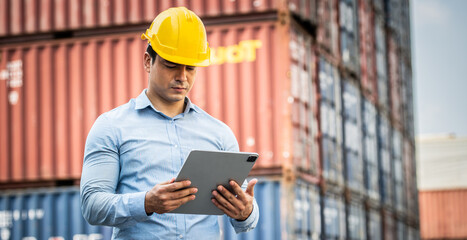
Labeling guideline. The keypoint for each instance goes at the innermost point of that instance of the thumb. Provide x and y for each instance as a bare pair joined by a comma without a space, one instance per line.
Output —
250,189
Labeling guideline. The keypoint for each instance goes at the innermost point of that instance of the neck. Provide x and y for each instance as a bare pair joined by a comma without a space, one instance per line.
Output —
171,109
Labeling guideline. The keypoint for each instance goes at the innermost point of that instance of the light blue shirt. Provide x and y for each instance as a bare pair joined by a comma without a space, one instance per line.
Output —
134,147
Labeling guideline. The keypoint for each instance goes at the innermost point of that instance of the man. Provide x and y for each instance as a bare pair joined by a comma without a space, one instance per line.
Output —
134,151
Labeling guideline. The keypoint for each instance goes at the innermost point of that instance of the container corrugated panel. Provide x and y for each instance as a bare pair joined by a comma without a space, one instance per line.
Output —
404,29
348,22
367,51
334,216
389,226
381,63
352,137
400,196
394,14
328,29
370,152
356,221
394,80
307,204
36,16
385,163
53,213
303,94
374,224
51,94
331,126
443,214
407,99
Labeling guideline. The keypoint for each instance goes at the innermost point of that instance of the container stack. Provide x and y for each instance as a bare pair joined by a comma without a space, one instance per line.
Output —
321,89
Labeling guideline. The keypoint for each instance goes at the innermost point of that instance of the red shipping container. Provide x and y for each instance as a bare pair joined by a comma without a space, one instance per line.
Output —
367,51
443,214
51,94
53,91
327,34
394,81
40,16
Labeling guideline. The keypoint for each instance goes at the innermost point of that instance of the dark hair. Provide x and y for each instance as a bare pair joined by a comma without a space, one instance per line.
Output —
151,53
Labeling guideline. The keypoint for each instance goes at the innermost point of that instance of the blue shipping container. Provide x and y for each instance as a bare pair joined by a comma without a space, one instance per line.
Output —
352,137
307,211
370,151
330,123
400,198
349,34
385,164
52,213
334,217
356,221
374,225
381,63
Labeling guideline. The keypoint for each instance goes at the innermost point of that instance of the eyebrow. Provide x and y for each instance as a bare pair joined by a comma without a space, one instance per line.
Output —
177,64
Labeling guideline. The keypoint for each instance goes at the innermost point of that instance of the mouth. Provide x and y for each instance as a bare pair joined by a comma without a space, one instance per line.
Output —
179,89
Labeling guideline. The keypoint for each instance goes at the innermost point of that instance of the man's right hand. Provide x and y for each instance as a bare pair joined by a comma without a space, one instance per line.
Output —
167,196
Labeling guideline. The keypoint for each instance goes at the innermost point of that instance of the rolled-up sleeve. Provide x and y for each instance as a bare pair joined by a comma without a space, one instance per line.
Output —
100,204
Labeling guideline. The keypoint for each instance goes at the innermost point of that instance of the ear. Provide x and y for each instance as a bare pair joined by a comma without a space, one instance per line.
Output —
147,62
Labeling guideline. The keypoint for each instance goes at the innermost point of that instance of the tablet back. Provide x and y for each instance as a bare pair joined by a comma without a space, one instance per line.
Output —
208,169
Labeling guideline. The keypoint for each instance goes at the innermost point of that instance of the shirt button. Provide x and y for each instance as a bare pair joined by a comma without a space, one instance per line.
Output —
181,236
175,147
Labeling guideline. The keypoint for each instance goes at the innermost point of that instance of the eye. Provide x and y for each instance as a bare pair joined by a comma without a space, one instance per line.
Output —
167,65
190,68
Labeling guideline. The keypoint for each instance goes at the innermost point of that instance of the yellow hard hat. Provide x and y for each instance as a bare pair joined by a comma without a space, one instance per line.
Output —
179,36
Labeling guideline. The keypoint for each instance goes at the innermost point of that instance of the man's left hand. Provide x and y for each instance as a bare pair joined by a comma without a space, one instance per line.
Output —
237,204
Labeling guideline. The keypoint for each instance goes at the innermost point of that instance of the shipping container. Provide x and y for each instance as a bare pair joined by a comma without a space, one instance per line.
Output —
394,80
52,93
349,44
49,213
328,28
330,123
443,214
378,6
367,51
400,196
411,180
374,224
303,94
407,99
356,220
370,152
385,163
306,11
381,64
35,16
389,226
351,118
287,210
402,233
334,216
413,234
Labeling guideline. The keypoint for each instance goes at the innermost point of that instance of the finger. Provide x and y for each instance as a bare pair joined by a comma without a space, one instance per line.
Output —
222,199
250,189
167,182
230,197
173,204
175,186
222,208
182,193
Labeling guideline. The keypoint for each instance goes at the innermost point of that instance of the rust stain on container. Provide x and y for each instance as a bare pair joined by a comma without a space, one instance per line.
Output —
443,214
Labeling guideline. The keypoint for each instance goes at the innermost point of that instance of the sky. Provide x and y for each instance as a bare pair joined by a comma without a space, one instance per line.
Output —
439,62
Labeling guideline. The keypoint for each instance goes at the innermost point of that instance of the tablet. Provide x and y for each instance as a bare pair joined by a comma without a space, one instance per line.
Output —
208,169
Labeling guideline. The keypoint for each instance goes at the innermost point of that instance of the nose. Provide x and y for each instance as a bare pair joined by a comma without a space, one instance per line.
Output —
182,73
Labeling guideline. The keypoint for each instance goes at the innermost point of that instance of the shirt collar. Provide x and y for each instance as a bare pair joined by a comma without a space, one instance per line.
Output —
142,101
